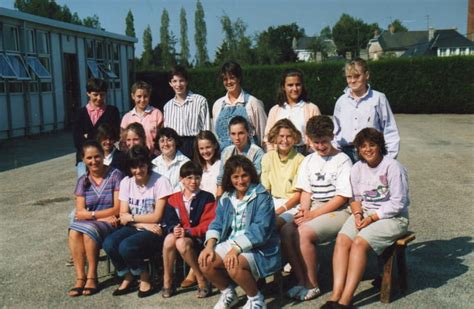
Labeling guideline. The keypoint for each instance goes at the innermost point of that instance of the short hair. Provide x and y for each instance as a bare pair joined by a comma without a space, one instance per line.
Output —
370,135
190,168
206,135
239,120
319,126
232,164
178,70
281,95
351,66
139,84
169,133
91,143
96,85
138,156
284,124
136,128
105,131
231,68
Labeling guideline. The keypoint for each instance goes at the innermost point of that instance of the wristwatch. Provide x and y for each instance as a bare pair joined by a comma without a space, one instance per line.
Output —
133,218
93,215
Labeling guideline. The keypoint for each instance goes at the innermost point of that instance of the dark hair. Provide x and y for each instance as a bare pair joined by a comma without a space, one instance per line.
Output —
370,135
206,135
136,128
232,164
169,133
96,85
190,168
138,156
281,94
105,131
318,127
139,84
239,120
283,124
90,143
231,68
178,70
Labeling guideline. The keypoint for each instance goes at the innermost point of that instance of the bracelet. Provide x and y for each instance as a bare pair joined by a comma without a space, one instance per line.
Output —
93,216
358,213
133,218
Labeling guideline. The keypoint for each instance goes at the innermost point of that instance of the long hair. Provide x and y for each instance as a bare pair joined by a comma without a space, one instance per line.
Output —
90,144
232,164
281,94
206,135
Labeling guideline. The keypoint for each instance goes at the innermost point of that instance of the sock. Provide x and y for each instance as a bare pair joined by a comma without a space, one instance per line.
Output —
227,289
256,297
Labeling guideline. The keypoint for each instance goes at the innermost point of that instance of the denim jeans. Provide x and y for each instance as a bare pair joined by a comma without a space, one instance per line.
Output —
351,151
127,247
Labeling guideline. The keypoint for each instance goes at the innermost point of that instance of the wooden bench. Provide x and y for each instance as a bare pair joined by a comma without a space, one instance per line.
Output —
395,252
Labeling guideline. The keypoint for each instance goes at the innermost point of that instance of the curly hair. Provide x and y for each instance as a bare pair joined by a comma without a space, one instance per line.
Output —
231,166
370,135
284,124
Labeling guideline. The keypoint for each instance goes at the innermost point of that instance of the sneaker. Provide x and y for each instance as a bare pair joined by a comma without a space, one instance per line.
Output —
227,300
258,303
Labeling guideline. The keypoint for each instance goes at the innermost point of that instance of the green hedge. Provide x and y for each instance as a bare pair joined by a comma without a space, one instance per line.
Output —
412,85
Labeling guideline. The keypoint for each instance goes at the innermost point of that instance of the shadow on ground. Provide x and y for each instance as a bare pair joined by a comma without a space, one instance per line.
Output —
23,151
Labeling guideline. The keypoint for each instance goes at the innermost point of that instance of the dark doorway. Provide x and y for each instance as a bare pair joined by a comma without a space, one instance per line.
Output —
71,88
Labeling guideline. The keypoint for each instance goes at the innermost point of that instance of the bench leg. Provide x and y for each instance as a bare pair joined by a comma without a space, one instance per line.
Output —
402,269
386,289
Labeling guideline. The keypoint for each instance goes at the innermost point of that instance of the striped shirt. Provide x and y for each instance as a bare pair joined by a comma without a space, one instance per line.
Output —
188,118
325,177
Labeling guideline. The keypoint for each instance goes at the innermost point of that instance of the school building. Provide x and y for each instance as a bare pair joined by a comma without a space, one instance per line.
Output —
44,68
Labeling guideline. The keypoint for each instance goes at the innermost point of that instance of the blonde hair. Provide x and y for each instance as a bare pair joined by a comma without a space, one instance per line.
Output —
356,66
284,124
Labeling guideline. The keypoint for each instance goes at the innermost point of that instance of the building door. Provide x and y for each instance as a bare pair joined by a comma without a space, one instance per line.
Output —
72,95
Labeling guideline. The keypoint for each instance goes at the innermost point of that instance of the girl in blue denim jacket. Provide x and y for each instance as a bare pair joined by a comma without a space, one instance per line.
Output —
242,242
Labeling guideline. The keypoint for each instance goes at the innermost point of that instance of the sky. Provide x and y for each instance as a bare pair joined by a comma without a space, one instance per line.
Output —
312,15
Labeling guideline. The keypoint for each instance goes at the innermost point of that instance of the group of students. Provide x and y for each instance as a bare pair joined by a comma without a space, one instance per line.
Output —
231,209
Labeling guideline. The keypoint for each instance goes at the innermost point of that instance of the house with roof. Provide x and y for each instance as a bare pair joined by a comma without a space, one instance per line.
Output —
304,51
440,43
44,68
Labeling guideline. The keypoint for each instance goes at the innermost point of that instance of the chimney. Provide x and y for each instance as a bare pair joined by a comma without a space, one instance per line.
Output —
391,28
470,20
376,33
431,32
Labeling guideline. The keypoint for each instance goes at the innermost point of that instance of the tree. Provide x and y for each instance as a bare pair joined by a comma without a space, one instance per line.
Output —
147,55
274,45
167,41
200,35
397,26
351,35
129,24
237,46
326,33
184,41
92,22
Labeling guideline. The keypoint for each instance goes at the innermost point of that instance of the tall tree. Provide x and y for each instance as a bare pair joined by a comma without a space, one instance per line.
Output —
129,24
166,41
200,35
398,26
274,45
236,45
184,41
326,33
92,22
147,55
352,35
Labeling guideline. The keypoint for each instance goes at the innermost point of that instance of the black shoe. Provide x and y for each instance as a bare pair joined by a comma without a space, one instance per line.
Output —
142,294
329,305
132,287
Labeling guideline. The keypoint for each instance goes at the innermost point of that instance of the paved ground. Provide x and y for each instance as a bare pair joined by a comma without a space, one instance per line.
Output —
437,150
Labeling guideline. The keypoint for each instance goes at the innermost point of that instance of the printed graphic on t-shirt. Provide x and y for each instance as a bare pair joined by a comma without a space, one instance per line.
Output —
380,193
323,185
141,206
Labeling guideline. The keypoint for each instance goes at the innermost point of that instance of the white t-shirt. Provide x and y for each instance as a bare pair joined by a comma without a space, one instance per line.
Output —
170,171
141,200
325,177
209,178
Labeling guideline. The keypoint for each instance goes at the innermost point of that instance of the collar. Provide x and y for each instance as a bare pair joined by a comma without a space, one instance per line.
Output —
92,108
252,192
178,157
148,110
290,155
246,149
240,99
188,99
348,92
299,104
193,196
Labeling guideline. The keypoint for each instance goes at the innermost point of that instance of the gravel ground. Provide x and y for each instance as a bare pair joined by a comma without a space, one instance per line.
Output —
437,150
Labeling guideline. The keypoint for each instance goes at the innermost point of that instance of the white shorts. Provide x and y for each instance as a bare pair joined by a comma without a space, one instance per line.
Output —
224,247
288,215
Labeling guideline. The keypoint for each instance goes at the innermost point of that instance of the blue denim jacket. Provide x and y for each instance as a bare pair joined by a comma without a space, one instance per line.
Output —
260,237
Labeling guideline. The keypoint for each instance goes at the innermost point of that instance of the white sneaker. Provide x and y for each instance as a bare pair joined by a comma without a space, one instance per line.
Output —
227,300
258,303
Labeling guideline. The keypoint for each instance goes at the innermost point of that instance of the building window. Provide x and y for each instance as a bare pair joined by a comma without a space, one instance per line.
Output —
42,42
37,67
100,50
11,38
107,72
2,86
46,87
90,48
19,67
1,36
33,86
116,52
94,69
30,41
15,87
6,70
